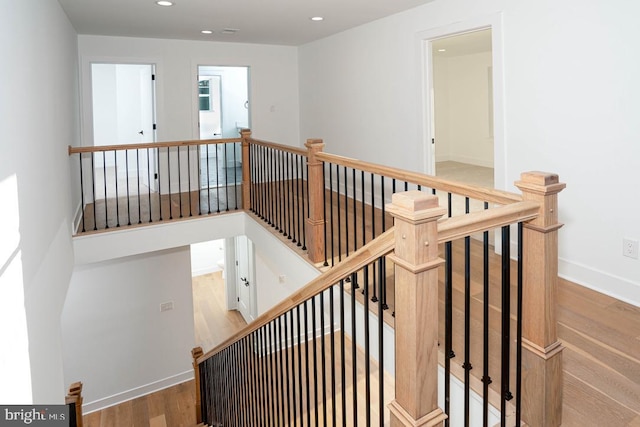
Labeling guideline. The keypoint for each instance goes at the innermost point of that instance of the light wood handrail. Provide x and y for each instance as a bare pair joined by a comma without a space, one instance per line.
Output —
373,250
472,191
461,226
101,148
288,148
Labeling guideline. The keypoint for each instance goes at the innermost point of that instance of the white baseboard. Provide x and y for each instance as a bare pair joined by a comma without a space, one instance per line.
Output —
206,270
616,287
100,404
487,163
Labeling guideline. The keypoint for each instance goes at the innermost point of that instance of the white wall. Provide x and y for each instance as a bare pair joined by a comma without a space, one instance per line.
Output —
116,340
570,107
207,257
461,87
273,71
38,120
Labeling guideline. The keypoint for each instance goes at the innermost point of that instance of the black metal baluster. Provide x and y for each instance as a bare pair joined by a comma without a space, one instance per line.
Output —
343,370
104,173
333,357
306,358
331,213
373,208
323,354
448,332
208,182
519,327
346,212
354,352
299,219
364,217
126,161
486,379
315,360
169,182
115,162
217,162
301,380
273,372
149,183
338,208
264,375
355,208
291,370
381,405
367,356
273,187
179,181
93,182
82,193
159,181
281,372
324,209
467,322
506,321
138,179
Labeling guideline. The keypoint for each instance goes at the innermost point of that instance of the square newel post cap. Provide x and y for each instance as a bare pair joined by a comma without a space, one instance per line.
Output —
245,132
415,206
314,143
540,183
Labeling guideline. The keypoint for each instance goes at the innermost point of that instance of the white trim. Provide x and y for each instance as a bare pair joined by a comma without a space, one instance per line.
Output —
423,46
77,219
616,286
100,404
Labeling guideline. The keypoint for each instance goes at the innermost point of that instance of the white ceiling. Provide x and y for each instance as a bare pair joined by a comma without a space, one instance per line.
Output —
282,22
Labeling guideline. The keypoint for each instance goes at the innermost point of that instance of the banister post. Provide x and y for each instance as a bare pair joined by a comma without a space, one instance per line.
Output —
416,323
315,221
246,170
75,396
542,351
195,354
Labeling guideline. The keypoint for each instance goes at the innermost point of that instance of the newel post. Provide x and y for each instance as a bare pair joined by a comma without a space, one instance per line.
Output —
542,351
416,324
195,354
315,221
246,170
75,396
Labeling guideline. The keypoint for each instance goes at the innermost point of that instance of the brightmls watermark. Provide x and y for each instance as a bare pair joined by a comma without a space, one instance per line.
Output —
34,415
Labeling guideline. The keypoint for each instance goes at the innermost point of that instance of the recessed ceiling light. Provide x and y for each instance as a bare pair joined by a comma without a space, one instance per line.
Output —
206,32
442,50
164,3
317,18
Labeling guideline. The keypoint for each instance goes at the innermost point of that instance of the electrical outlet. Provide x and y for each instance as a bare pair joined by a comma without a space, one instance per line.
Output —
166,306
630,248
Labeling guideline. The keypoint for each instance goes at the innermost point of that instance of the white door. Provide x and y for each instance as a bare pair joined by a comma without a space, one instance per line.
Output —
245,278
123,101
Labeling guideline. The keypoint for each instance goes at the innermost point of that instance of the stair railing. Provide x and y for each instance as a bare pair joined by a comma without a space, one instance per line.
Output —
282,380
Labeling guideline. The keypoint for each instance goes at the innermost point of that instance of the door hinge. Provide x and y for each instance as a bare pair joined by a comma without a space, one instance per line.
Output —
155,127
153,76
238,299
433,140
236,262
155,176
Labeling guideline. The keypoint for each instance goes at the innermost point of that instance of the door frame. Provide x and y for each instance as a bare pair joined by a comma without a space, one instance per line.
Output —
239,284
424,41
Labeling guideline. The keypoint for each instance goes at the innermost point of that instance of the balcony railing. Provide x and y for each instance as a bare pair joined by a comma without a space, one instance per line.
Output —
490,320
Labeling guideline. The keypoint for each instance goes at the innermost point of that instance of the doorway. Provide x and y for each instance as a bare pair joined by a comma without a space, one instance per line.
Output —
123,106
462,100
245,278
223,111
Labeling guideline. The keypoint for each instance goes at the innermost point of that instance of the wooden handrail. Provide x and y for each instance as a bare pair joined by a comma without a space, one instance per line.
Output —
373,250
472,191
461,226
288,148
101,148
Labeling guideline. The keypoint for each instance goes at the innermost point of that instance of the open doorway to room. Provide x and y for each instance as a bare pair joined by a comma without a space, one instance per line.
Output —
123,108
223,110
462,122
223,287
